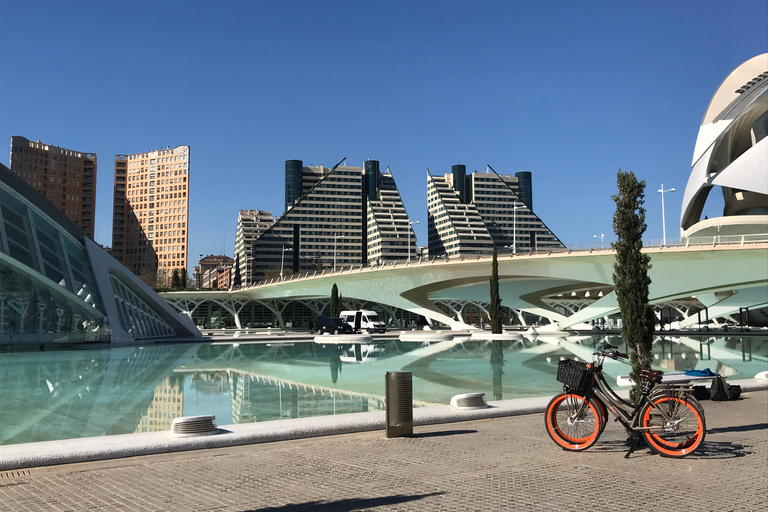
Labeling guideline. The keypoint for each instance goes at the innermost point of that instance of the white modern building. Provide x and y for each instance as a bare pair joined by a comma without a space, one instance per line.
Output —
730,159
59,286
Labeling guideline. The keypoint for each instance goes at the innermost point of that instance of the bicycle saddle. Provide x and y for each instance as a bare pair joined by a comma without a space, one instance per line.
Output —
652,375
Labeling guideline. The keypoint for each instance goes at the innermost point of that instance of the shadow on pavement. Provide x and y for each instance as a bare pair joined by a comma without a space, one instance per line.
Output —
347,504
738,428
721,450
444,433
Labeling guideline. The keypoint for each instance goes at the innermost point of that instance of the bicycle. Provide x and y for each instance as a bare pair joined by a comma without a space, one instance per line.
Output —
667,416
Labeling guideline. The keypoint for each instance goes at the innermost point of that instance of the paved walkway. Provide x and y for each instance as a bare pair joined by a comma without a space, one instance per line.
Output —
495,464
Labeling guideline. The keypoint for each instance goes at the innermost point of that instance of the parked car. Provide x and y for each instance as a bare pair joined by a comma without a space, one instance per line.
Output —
332,325
364,320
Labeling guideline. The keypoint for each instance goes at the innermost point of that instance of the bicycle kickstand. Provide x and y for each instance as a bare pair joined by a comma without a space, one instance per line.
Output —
633,446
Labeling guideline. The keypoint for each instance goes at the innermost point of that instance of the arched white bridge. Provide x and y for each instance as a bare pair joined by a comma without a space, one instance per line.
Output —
568,287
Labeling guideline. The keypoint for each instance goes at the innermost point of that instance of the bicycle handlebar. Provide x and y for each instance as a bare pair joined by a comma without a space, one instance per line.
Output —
609,350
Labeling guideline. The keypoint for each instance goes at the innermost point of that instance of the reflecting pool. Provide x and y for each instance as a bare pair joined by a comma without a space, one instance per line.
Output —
84,393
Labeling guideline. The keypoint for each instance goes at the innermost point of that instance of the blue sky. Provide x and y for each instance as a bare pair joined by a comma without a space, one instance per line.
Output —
571,91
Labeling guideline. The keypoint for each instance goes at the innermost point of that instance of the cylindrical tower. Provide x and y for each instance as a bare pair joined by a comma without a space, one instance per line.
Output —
372,172
459,173
293,170
525,192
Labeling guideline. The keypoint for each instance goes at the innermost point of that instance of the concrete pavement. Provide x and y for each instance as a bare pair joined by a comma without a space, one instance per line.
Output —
504,463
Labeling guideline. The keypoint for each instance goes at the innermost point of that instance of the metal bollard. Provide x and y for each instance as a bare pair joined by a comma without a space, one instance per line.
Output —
399,397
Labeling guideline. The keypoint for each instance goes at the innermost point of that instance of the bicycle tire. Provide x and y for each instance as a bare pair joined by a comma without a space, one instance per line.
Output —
677,425
573,434
687,396
603,412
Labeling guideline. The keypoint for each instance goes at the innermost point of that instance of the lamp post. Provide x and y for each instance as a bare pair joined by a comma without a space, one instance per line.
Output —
514,228
410,223
601,239
663,220
335,237
282,260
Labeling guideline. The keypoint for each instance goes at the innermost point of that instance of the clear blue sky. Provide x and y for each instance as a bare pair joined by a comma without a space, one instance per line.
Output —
571,91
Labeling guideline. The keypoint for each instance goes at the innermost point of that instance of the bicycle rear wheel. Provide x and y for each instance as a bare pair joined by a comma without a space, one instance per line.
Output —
675,425
573,424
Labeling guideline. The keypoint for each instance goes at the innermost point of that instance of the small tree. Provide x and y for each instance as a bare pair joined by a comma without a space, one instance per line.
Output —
175,280
630,274
183,279
494,308
334,308
317,262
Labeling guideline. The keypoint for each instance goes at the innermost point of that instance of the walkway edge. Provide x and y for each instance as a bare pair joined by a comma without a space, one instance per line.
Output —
49,453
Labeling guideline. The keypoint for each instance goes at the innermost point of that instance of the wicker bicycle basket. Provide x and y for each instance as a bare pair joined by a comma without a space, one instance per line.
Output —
574,374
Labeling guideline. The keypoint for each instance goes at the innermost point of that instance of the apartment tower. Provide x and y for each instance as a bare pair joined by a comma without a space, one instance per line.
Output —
250,226
67,178
334,217
473,214
151,213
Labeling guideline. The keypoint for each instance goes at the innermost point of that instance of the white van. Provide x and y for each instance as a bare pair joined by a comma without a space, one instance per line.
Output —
364,320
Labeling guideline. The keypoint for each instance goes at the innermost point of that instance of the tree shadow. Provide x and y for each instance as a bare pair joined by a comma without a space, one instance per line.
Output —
348,504
721,450
738,428
444,433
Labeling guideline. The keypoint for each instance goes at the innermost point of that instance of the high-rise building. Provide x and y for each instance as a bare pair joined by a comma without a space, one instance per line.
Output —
472,214
67,178
334,217
250,226
150,223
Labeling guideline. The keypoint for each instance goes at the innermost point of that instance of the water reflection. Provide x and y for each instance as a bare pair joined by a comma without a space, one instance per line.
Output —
83,393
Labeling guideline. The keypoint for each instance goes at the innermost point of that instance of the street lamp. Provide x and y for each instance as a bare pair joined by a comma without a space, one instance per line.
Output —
514,228
410,223
282,260
601,239
336,237
663,220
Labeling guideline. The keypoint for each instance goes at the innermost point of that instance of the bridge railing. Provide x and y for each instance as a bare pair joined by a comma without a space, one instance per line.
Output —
691,242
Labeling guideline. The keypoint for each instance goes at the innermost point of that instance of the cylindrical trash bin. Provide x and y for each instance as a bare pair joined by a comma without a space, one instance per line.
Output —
399,397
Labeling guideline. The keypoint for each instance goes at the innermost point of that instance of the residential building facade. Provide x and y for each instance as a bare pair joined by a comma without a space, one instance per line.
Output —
67,178
250,226
151,213
211,270
334,217
473,214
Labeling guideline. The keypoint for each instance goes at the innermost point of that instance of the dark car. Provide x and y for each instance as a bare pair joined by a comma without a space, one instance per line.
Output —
332,325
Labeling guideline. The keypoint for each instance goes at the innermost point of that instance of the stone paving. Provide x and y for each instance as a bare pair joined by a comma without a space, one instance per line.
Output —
495,464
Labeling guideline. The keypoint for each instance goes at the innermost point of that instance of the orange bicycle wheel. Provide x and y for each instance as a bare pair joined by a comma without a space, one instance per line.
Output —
675,426
571,426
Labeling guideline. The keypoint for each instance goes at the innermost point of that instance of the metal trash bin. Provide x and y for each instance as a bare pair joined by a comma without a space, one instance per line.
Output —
399,397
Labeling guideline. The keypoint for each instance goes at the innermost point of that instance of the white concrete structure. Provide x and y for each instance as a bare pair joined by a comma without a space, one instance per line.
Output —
731,152
721,265
723,278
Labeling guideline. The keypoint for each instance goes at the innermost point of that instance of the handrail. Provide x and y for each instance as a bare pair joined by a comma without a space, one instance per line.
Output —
591,248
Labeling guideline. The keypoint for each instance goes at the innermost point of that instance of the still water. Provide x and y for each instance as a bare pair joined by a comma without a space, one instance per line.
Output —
85,393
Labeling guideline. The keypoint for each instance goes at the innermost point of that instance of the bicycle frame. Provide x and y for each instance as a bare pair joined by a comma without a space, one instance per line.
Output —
627,413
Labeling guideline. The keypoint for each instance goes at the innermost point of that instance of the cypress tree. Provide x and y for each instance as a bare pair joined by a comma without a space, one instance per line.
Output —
494,308
175,280
334,307
630,274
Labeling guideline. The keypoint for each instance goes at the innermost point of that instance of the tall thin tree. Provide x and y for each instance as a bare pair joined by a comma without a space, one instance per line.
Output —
630,274
334,308
494,308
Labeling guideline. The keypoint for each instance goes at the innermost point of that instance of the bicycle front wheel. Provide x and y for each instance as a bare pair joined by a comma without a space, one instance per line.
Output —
573,424
673,426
